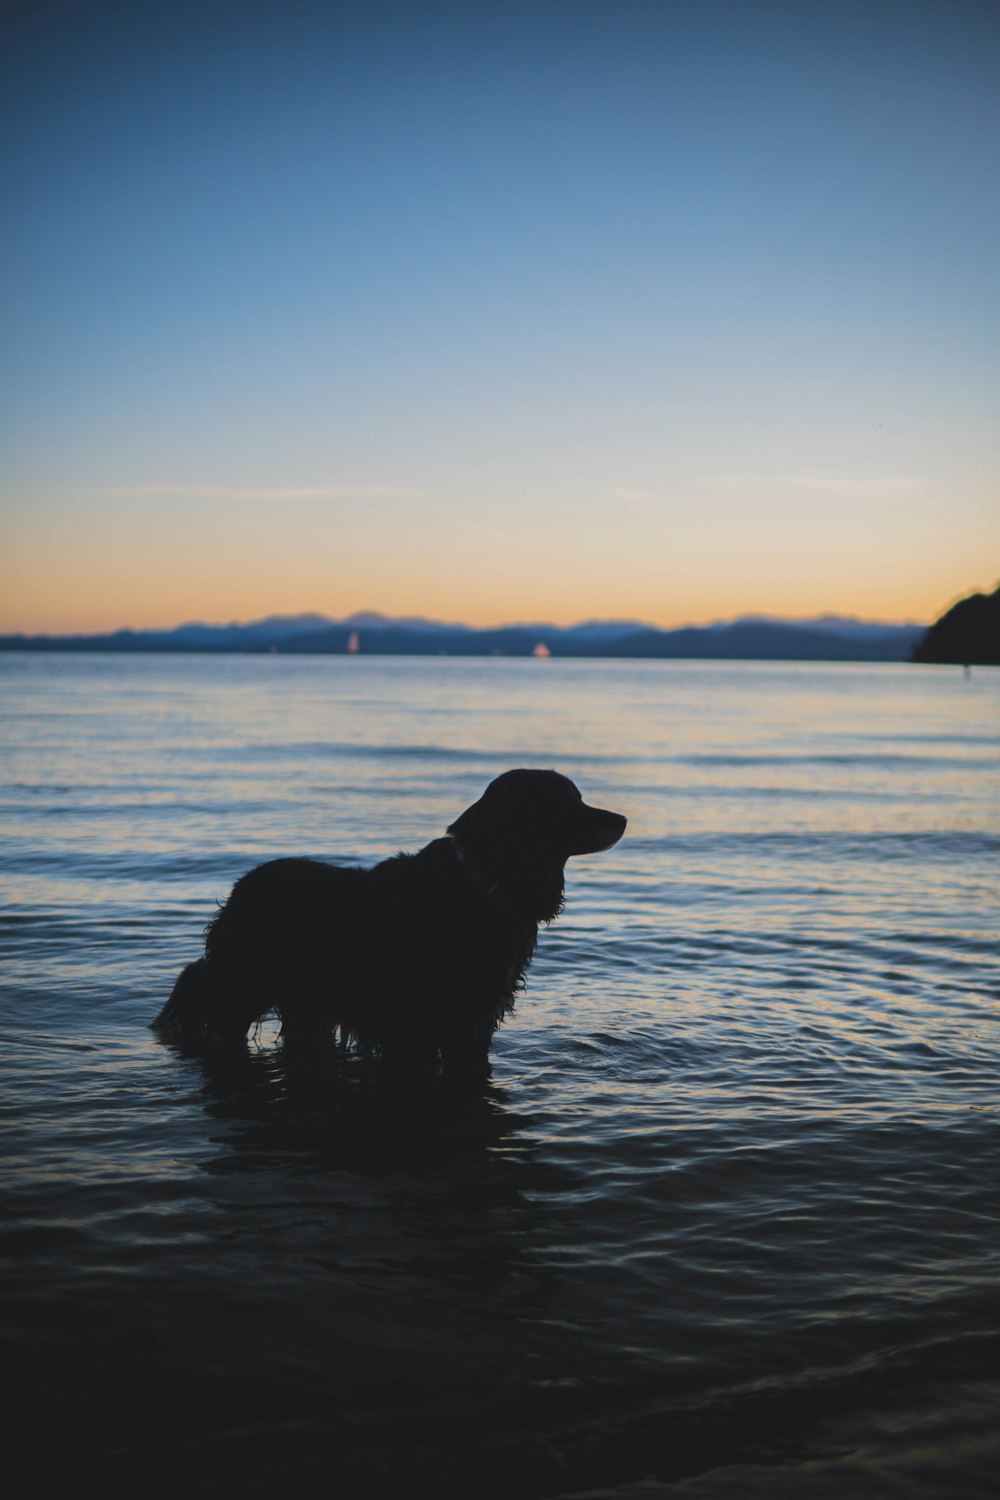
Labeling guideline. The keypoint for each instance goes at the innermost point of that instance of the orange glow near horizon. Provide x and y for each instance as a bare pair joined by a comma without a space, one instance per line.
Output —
100,598
86,562
106,562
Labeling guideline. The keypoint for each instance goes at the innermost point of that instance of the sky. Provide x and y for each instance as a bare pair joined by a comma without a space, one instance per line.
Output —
558,310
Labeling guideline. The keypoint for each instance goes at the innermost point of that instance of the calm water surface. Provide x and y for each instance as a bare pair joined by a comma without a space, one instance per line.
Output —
724,1223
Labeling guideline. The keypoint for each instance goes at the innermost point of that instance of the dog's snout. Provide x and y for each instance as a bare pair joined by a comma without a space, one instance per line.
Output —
620,823
601,830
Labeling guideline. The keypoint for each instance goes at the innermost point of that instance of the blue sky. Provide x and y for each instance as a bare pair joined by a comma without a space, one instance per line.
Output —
494,312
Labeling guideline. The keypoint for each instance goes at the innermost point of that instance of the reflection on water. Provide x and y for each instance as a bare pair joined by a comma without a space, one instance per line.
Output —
722,1223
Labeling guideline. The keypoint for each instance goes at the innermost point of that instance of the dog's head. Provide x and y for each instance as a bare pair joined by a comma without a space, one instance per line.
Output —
523,829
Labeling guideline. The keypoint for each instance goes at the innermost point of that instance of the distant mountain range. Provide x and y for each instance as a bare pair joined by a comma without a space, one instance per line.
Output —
752,638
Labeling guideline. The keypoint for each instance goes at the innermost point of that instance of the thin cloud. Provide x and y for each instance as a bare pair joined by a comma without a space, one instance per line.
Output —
813,482
857,484
264,493
631,495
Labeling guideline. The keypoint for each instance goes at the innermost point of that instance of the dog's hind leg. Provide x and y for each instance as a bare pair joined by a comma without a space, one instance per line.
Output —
202,1009
186,1013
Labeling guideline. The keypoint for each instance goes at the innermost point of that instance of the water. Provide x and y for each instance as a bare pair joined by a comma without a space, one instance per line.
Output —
724,1223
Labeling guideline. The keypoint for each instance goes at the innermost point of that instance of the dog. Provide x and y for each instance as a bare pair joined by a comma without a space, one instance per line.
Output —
417,959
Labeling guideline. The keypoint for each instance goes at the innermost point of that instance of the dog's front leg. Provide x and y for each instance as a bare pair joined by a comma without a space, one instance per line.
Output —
466,1059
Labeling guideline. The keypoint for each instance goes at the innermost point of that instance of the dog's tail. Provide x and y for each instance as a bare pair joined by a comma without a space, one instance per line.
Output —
185,1016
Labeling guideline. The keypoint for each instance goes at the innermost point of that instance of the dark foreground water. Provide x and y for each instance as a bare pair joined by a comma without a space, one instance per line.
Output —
723,1224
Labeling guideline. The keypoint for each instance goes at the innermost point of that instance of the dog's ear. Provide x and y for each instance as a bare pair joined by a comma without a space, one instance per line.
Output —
491,836
474,827
509,854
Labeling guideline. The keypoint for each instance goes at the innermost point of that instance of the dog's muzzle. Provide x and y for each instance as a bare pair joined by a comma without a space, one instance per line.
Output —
598,830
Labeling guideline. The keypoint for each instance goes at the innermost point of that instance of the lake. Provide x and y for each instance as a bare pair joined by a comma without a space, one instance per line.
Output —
724,1222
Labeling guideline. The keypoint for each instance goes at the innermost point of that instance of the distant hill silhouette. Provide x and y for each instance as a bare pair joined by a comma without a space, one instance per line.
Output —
967,634
831,638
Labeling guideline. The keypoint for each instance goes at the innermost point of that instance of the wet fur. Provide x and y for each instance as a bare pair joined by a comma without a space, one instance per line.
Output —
418,958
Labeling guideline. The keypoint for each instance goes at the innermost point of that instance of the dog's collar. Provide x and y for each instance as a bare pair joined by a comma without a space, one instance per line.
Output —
494,890
476,875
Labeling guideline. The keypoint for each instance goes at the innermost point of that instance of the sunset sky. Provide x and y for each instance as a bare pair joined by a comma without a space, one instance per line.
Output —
552,310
